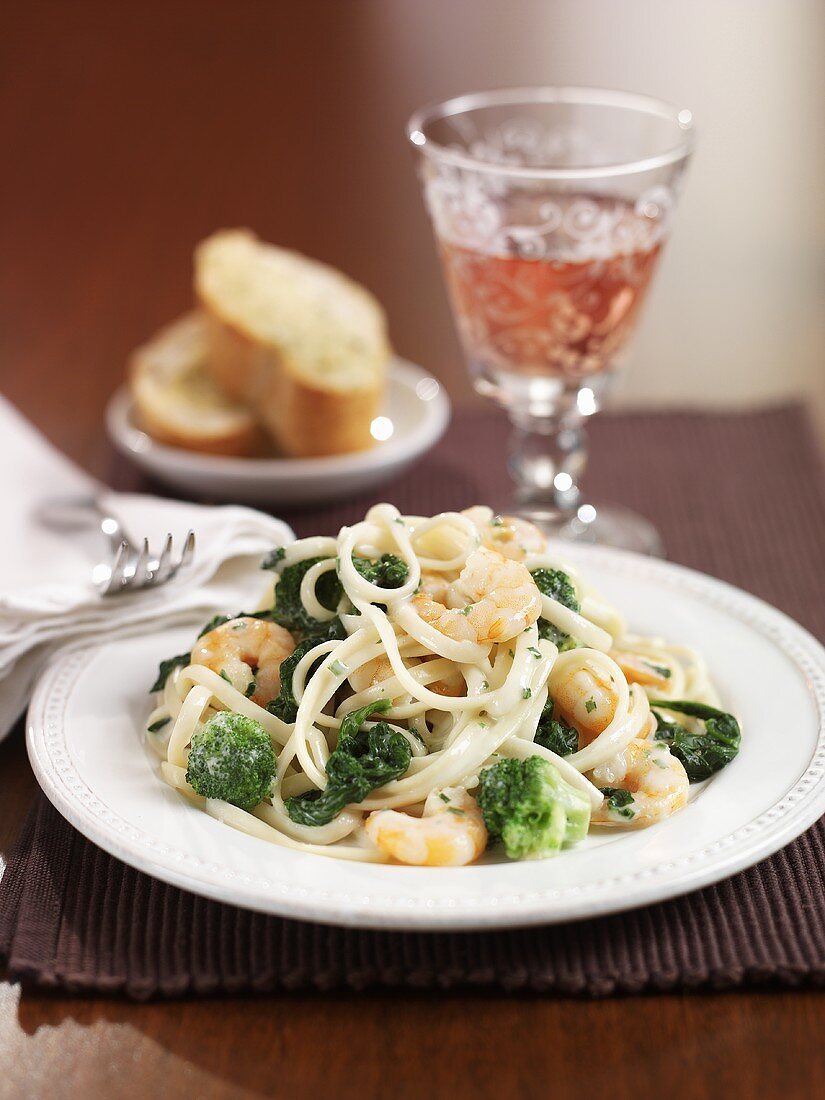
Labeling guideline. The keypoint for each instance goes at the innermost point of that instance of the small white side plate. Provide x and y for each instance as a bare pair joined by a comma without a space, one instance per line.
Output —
415,413
85,747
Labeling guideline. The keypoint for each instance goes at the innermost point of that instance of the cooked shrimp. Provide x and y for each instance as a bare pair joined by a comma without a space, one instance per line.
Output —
655,778
434,585
512,537
587,698
371,673
248,652
499,600
450,833
641,670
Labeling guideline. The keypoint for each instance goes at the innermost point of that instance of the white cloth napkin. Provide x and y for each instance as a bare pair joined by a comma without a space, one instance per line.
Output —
47,598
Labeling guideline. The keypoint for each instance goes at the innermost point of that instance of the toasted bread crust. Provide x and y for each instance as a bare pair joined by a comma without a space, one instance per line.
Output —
304,420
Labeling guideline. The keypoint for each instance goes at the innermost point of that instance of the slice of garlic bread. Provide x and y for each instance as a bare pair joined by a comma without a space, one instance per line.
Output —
295,340
178,402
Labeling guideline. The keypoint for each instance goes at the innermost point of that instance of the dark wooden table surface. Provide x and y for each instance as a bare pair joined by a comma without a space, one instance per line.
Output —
130,130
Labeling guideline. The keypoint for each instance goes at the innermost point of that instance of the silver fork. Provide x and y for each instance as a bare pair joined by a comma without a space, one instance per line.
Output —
131,566
132,570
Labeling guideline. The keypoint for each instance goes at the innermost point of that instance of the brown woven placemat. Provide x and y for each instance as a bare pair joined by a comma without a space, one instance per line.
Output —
740,496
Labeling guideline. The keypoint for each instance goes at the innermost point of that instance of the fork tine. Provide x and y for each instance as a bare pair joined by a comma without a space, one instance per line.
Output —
131,571
163,568
117,577
186,555
188,551
141,576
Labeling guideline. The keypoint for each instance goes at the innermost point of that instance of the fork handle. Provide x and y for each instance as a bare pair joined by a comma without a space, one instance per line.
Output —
78,515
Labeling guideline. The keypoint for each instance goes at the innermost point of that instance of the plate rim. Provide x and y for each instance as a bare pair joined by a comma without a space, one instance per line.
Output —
790,815
139,447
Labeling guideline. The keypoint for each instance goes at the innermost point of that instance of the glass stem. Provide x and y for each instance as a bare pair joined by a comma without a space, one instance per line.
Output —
547,457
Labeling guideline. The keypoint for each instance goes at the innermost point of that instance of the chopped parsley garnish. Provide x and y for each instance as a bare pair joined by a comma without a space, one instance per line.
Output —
155,726
590,705
526,693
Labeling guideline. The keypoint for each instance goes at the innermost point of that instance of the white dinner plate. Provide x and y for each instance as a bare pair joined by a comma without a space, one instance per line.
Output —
413,417
85,746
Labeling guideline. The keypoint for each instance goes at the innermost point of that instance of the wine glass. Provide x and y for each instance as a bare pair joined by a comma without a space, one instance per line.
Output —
550,208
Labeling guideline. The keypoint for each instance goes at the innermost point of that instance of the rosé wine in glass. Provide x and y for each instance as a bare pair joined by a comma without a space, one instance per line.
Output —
566,312
550,208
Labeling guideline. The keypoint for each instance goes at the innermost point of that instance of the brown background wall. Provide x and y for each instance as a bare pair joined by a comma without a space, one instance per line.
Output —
132,129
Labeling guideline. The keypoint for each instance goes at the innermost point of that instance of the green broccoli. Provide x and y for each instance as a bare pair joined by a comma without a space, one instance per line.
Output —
232,758
702,754
528,806
557,585
554,733
362,761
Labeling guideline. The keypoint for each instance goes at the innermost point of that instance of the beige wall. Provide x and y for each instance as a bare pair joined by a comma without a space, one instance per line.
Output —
737,314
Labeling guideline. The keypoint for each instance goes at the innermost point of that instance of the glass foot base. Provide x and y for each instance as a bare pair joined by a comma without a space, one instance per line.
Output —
601,524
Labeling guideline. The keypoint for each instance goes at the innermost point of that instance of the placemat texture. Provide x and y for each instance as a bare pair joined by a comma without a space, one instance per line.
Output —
739,496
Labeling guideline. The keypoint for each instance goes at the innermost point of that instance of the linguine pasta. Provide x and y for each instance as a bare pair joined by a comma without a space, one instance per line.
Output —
475,645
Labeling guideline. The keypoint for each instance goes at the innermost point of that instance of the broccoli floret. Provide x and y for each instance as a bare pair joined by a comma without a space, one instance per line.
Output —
556,584
232,758
554,733
548,632
528,806
388,571
702,754
362,761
